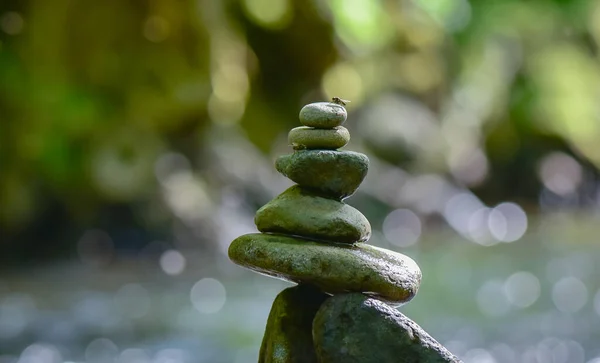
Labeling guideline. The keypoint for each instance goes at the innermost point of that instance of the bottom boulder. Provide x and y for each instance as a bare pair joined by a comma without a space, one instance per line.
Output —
288,336
353,328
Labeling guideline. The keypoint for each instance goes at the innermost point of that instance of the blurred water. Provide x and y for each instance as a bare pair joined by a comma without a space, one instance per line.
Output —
535,300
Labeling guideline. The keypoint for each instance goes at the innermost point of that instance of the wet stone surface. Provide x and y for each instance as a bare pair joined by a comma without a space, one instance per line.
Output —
337,173
353,328
324,115
288,335
310,138
333,268
300,212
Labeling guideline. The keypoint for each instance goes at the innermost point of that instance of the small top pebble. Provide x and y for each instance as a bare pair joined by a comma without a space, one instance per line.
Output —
323,115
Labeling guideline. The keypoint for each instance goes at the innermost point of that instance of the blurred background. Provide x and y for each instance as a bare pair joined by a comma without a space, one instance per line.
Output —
137,140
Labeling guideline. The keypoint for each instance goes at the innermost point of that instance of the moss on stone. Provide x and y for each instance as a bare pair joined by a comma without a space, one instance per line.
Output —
288,335
300,212
333,268
310,138
352,328
337,173
323,115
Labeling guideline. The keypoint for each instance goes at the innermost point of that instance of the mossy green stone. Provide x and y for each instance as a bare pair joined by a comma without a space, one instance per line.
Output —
333,268
336,173
288,336
353,328
300,212
323,115
304,137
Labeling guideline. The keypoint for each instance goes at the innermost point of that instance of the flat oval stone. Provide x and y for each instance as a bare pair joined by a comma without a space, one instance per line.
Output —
288,336
300,212
333,268
336,173
304,137
352,328
323,115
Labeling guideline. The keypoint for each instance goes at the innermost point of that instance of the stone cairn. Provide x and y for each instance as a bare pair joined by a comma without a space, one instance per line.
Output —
340,310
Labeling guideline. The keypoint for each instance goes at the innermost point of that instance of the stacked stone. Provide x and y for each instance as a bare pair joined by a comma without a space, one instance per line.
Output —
311,237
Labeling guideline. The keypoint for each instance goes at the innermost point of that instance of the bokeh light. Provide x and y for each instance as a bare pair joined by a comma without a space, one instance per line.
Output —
133,355
560,173
459,210
171,356
597,303
272,14
402,228
492,300
40,353
522,289
507,222
101,350
137,140
208,295
569,294
172,262
478,355
133,301
16,311
453,15
12,23
343,80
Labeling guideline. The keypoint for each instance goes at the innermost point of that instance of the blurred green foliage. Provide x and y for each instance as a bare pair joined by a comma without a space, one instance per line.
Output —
92,93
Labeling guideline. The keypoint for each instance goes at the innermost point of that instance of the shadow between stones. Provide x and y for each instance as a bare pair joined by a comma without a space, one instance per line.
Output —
288,335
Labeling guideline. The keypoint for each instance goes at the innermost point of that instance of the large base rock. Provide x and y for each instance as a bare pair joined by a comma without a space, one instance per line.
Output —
352,328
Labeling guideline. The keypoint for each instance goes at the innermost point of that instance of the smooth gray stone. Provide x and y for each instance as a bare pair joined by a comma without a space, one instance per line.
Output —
332,267
353,328
304,137
301,212
336,173
288,335
323,115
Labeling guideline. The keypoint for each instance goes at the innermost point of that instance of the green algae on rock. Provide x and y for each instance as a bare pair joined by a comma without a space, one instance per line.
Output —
322,115
304,137
288,335
298,211
352,328
333,268
337,173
